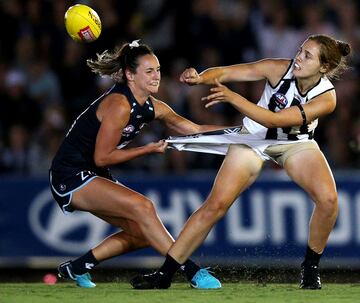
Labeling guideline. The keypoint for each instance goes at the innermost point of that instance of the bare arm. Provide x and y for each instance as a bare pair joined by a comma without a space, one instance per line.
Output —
270,69
177,123
114,115
319,106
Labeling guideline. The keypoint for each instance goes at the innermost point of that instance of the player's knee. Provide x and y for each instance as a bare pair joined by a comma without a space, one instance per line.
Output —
214,210
139,243
144,244
144,209
329,203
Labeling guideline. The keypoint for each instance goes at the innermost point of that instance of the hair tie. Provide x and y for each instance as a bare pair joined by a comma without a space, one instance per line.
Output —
135,43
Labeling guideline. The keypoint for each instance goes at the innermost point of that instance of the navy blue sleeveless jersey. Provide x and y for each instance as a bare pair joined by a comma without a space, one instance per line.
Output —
76,153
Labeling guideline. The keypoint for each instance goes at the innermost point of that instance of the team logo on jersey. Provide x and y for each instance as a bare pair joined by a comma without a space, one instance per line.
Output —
280,100
62,187
128,129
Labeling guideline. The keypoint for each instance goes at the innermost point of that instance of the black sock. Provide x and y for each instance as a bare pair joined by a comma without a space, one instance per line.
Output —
84,264
311,258
190,269
170,266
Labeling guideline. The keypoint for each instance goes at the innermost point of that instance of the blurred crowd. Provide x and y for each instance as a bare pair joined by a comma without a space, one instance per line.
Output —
45,83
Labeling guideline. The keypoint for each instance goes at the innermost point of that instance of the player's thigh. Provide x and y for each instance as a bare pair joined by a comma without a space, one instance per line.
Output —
239,169
107,198
309,169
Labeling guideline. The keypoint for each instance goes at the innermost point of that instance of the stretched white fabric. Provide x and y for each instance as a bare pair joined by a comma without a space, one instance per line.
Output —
213,142
218,142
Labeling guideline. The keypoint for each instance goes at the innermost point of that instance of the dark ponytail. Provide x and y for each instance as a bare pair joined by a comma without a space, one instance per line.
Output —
114,63
344,48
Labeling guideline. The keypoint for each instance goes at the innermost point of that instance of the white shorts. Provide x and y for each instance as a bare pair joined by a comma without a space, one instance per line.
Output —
218,142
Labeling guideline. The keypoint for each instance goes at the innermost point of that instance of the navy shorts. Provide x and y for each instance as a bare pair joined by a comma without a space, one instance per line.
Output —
62,186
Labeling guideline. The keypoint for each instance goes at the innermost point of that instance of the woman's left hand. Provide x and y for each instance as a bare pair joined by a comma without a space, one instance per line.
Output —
220,93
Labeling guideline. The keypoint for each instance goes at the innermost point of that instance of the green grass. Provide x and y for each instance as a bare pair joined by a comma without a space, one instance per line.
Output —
179,292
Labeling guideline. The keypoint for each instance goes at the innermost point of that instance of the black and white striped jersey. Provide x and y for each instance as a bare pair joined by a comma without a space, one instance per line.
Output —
77,149
284,95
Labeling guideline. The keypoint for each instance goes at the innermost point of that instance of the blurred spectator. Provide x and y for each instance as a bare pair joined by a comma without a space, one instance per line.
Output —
237,40
120,22
277,38
47,139
314,21
77,82
15,157
16,105
43,86
11,15
25,50
349,27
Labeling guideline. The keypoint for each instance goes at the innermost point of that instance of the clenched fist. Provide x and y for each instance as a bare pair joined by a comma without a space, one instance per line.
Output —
190,76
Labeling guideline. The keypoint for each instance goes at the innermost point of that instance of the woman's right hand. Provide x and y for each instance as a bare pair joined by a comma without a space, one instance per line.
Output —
190,76
157,147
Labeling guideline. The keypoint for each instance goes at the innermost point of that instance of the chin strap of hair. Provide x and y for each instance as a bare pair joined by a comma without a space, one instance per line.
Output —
303,115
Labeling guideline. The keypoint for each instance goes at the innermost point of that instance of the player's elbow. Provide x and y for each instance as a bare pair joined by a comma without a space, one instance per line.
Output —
100,160
269,124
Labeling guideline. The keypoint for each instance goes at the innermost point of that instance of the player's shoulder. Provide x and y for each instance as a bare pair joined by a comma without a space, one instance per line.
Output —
276,69
157,102
161,108
114,104
277,65
116,99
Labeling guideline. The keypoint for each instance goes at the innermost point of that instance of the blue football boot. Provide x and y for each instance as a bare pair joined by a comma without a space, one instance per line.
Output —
203,279
84,280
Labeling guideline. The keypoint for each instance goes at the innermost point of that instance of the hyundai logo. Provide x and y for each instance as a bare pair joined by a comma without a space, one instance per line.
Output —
70,234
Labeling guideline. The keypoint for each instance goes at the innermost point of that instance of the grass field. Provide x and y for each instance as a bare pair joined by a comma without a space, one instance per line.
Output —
179,292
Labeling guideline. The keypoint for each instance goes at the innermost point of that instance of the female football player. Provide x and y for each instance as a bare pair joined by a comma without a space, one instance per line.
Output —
79,174
280,128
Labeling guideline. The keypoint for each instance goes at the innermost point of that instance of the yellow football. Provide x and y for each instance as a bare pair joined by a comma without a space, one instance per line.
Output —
82,23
